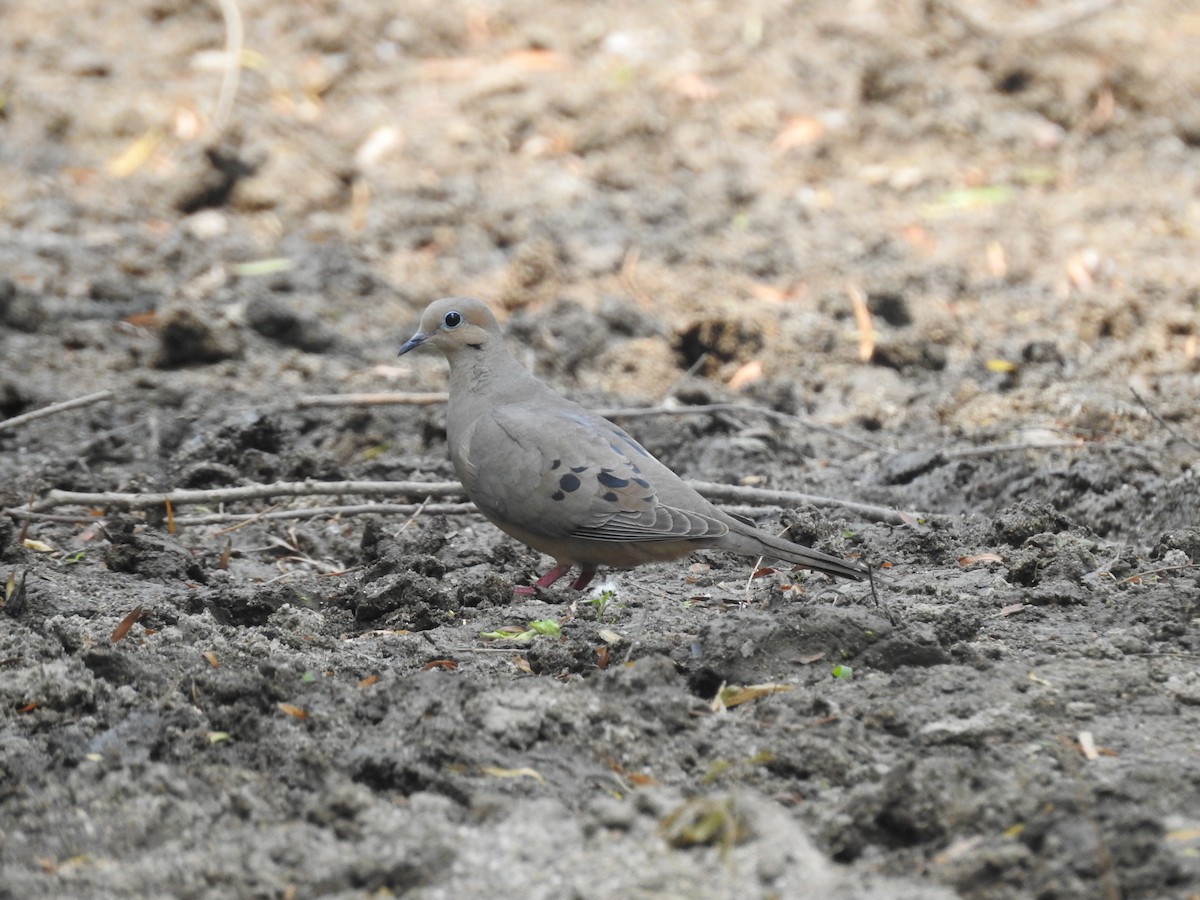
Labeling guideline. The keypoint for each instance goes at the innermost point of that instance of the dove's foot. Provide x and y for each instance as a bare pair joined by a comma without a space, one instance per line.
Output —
548,579
586,574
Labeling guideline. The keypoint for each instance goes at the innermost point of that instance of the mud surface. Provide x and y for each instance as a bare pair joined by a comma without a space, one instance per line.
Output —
307,707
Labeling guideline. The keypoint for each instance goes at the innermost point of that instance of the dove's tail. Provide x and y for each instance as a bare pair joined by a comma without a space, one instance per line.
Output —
759,542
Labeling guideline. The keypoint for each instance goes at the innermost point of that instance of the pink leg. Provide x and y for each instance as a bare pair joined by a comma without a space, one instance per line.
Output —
586,574
546,580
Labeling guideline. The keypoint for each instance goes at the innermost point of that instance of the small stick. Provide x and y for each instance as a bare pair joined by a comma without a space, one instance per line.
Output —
232,72
996,449
738,493
1138,575
1033,26
1160,420
623,412
416,399
638,412
247,492
55,408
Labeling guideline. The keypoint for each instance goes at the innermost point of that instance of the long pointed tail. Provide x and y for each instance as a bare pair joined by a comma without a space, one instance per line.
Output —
769,545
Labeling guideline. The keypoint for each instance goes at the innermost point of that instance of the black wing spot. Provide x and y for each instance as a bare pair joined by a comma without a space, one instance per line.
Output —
554,465
612,481
557,495
569,483
611,497
641,482
578,469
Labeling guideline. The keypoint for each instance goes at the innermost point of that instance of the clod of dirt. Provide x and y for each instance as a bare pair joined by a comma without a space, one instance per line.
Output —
1185,539
724,340
1024,519
18,310
210,176
914,354
188,338
904,468
149,554
406,599
278,319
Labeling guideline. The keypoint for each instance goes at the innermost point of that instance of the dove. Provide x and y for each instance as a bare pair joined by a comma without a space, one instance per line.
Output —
565,481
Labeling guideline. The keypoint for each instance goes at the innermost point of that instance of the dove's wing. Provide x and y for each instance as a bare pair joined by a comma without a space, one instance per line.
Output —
566,474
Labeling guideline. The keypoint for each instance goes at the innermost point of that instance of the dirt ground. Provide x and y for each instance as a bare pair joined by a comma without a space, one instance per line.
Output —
950,248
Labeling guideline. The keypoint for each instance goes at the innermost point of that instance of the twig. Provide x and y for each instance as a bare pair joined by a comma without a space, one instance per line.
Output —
1174,432
243,519
57,498
996,449
1033,26
738,493
370,399
715,492
692,370
622,412
416,513
638,412
232,72
1138,575
54,408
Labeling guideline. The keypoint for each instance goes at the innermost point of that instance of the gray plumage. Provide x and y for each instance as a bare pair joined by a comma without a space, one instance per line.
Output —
566,481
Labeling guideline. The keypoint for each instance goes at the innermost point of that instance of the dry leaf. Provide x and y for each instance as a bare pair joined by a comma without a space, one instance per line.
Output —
368,681
146,320
36,546
523,664
980,557
447,664
734,696
602,657
525,772
1011,608
126,623
798,131
536,60
695,87
862,318
1087,746
135,155
211,659
291,710
763,572
751,371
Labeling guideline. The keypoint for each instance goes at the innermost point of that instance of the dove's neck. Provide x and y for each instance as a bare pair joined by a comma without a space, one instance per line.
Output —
484,378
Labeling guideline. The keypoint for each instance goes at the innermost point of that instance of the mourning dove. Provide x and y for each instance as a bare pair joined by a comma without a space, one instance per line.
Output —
566,481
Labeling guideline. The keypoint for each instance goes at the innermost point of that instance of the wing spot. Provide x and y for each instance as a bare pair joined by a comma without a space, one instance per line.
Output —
557,495
569,483
641,482
612,481
611,497
578,469
554,465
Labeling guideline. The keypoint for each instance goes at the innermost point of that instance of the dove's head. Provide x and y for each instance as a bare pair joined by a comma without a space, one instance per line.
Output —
454,324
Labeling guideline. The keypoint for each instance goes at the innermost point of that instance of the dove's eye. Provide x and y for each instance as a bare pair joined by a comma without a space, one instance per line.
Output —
452,320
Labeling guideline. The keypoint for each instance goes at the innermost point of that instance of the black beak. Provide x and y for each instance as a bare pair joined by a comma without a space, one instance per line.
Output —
413,342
